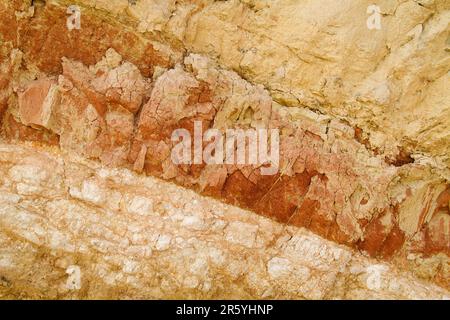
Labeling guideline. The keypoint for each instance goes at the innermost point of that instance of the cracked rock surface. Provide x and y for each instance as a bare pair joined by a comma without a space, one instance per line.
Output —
71,228
89,193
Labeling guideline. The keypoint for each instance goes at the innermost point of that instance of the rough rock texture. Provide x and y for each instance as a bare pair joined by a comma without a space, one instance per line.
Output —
71,228
364,120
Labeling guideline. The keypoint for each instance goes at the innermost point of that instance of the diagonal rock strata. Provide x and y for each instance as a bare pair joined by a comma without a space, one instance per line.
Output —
71,228
116,89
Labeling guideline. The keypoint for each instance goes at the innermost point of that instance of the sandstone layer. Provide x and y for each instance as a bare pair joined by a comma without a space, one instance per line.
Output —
71,228
364,121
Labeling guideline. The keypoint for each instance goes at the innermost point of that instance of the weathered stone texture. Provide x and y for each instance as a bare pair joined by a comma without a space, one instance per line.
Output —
364,143
71,228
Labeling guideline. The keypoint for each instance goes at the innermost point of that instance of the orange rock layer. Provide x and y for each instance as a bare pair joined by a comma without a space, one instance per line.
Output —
112,94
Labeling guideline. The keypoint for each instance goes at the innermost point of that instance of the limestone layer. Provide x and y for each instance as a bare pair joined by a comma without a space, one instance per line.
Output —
363,118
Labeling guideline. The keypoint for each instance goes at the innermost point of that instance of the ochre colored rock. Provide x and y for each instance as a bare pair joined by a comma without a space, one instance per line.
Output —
35,103
363,118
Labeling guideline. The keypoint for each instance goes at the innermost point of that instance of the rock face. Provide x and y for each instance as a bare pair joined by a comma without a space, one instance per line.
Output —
74,229
362,115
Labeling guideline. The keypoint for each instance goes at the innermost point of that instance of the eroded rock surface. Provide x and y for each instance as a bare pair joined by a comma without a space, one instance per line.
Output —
364,139
71,228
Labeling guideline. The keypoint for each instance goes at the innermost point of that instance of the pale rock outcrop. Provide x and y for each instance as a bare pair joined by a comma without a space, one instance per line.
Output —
89,243
363,116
